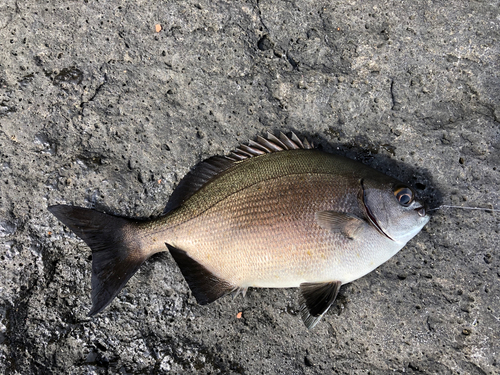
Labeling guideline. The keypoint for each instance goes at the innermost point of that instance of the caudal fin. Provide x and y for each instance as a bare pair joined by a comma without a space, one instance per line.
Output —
116,254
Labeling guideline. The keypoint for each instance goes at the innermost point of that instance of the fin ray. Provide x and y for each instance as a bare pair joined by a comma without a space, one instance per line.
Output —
259,146
297,140
272,138
291,145
270,145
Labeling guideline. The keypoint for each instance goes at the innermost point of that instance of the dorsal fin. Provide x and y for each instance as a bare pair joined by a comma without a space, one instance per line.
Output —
208,169
196,178
271,144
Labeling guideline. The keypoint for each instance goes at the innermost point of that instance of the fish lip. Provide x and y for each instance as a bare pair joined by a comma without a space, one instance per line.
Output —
422,210
370,215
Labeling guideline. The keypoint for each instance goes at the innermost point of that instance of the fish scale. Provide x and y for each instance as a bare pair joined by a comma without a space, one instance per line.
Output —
273,214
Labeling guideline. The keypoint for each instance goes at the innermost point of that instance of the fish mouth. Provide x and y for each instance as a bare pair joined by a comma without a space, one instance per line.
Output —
421,211
370,215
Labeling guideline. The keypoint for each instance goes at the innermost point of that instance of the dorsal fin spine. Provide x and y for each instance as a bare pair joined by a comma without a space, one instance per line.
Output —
259,146
240,151
252,150
270,145
291,145
274,139
297,140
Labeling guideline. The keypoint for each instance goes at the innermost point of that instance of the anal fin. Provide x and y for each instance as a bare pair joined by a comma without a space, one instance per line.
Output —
205,286
316,299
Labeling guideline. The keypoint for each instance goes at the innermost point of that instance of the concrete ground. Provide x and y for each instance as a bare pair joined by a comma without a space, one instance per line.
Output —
99,109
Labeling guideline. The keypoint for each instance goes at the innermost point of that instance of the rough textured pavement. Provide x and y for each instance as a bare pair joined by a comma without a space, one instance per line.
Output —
98,109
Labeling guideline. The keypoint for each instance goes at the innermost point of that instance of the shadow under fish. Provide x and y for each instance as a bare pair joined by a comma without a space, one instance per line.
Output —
275,213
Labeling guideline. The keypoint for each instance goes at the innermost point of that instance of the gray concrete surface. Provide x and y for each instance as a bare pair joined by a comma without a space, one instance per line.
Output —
98,109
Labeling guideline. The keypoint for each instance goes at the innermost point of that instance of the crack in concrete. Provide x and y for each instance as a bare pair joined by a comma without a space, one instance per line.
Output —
260,17
393,97
97,90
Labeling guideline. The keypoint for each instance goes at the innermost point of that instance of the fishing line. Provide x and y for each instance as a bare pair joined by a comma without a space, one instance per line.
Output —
465,208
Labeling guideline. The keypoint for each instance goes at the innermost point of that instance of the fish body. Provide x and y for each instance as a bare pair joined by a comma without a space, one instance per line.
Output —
273,214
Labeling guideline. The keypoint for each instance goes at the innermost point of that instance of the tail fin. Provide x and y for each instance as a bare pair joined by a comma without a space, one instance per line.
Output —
116,255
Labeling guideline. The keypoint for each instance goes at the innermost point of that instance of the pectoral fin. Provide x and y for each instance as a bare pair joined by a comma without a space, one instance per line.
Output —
316,299
345,223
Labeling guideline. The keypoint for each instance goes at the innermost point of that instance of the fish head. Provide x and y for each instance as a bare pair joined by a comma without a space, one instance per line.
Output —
393,208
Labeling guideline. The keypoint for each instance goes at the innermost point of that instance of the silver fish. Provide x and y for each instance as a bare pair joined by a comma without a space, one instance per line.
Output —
275,213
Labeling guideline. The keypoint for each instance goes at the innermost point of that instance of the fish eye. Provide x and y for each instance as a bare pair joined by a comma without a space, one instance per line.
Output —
404,196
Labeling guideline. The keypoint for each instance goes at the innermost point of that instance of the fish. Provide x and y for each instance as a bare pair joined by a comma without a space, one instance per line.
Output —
274,213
